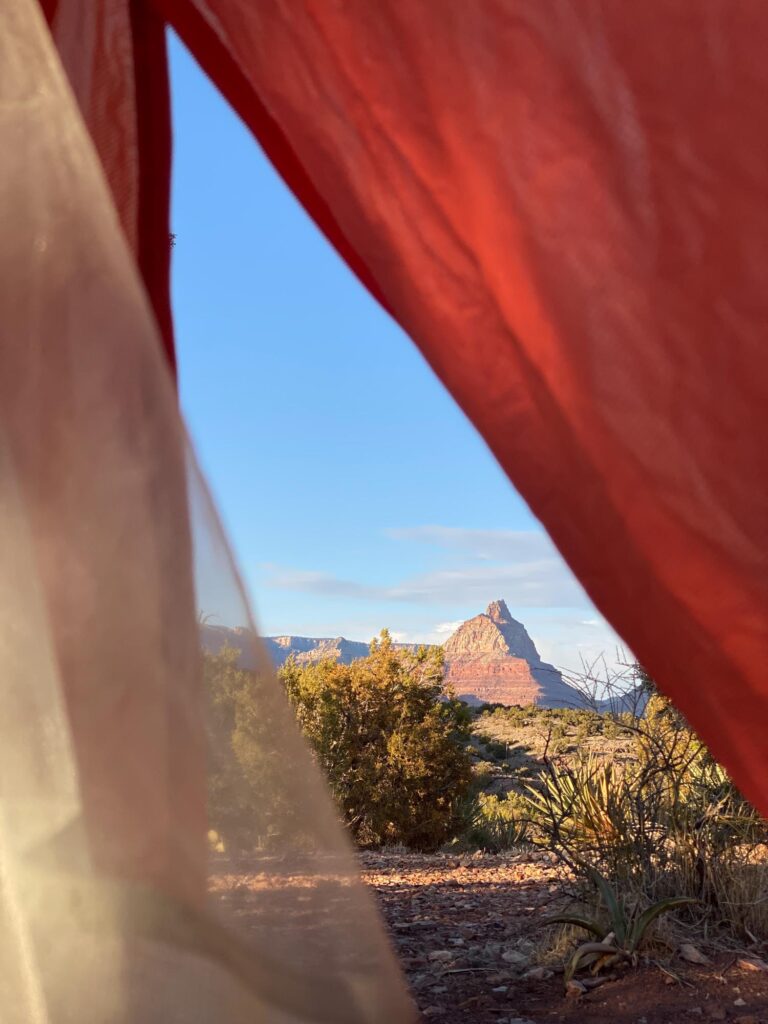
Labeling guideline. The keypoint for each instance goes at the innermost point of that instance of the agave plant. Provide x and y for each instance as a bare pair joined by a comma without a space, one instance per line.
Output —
621,939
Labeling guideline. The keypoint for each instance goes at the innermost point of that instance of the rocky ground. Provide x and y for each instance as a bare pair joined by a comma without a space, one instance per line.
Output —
468,931
470,934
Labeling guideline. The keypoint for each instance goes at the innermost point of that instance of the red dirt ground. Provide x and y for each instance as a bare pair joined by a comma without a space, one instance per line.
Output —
466,928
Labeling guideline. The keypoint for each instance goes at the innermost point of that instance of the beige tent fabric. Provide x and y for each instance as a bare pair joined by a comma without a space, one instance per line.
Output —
109,550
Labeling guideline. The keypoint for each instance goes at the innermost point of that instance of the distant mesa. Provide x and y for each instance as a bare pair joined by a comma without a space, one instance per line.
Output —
304,649
489,659
215,638
308,649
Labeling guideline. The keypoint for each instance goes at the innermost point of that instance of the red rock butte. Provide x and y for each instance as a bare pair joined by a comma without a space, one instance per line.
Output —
490,659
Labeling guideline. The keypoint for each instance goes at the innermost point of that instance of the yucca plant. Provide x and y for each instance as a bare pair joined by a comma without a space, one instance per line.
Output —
661,821
588,813
621,938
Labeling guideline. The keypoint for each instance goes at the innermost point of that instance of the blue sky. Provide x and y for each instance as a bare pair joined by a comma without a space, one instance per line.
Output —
355,492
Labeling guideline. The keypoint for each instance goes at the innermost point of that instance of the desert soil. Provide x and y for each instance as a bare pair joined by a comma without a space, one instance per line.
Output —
468,931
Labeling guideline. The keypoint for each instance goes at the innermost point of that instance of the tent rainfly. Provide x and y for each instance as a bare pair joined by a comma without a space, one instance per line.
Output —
565,205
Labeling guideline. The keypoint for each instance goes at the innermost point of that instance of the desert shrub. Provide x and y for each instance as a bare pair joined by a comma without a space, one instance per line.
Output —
247,770
583,732
392,748
611,729
668,823
514,716
482,776
557,740
496,750
495,823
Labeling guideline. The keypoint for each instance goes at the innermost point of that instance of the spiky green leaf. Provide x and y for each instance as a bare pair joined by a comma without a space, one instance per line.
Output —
579,922
647,917
614,908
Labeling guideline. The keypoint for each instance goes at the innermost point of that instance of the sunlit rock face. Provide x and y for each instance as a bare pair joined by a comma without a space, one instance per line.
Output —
491,659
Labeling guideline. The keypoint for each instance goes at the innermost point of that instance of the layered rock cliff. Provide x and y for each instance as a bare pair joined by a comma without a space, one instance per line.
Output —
306,649
492,659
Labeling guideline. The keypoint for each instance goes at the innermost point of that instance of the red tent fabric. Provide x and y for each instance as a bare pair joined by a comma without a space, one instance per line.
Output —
564,205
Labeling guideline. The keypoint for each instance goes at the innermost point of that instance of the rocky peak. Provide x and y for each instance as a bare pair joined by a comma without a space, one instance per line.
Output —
498,611
491,658
494,633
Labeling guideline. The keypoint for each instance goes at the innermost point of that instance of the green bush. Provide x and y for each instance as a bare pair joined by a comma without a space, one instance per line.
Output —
392,748
583,733
247,801
494,823
496,750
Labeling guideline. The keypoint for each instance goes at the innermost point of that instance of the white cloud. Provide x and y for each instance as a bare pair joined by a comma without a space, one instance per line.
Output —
309,582
565,641
487,545
536,584
447,628
522,566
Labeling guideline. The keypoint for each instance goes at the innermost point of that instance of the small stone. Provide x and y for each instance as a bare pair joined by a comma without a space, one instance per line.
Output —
438,990
669,980
433,1011
739,1002
537,974
694,956
752,963
574,989
456,942
746,1018
500,989
716,1013
441,954
512,956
